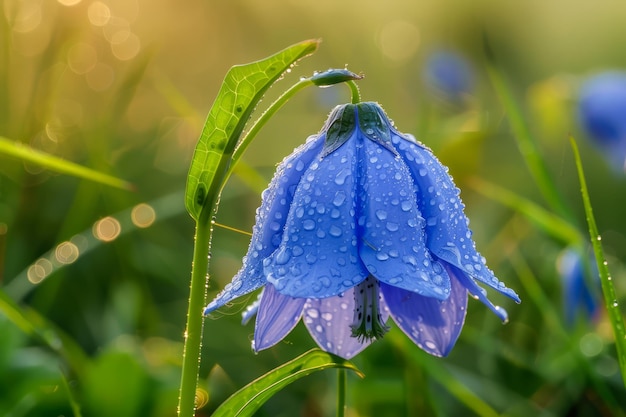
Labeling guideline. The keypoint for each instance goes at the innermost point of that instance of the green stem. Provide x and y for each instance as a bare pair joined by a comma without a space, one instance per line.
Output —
195,318
354,92
608,290
342,382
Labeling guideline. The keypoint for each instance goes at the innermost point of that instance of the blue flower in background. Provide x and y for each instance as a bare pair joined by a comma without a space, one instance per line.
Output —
577,296
359,224
602,113
450,74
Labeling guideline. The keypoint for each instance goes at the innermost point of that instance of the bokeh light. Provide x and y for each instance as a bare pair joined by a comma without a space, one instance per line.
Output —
39,270
107,229
66,253
99,13
143,215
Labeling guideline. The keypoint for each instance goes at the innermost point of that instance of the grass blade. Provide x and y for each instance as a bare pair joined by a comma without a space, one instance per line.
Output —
526,143
54,163
546,221
250,398
608,290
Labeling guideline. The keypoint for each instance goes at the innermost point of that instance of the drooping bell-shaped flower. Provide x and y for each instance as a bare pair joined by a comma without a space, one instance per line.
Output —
601,111
359,224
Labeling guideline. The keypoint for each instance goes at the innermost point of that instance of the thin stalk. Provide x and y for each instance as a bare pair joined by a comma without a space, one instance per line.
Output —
342,382
354,92
195,318
608,290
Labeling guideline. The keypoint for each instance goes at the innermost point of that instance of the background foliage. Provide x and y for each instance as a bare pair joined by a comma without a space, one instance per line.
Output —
95,279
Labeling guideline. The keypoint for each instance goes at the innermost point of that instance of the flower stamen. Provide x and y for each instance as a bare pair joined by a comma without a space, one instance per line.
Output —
368,323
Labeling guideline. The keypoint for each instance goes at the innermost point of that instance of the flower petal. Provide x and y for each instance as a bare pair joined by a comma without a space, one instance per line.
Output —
434,325
318,257
329,320
390,227
270,221
448,235
277,315
475,290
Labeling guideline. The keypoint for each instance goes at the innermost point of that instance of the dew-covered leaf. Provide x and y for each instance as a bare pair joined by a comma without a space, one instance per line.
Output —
242,88
250,398
608,289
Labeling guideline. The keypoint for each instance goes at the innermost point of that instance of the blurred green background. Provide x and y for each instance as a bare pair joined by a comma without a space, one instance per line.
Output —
95,280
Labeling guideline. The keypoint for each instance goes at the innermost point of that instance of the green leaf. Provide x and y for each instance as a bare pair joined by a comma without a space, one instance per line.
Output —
242,88
28,154
251,397
608,290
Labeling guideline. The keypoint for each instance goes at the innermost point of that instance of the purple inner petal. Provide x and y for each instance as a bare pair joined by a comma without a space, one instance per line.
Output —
434,325
329,321
277,315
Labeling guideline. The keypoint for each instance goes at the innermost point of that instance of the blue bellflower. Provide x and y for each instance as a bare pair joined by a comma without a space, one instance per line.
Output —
577,296
359,224
449,74
602,113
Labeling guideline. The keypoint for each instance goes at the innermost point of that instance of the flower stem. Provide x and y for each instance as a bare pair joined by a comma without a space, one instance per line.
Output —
342,383
354,91
195,318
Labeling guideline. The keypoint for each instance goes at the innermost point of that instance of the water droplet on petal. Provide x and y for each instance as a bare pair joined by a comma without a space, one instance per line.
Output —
382,256
430,345
313,313
335,231
381,214
340,198
308,224
340,179
282,256
392,227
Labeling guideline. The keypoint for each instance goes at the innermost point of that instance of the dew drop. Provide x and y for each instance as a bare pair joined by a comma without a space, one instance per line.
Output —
392,227
313,313
340,179
282,256
430,345
308,224
335,231
340,198
382,256
381,214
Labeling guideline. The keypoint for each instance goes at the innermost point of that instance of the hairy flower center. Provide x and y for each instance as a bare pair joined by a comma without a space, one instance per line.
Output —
368,323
